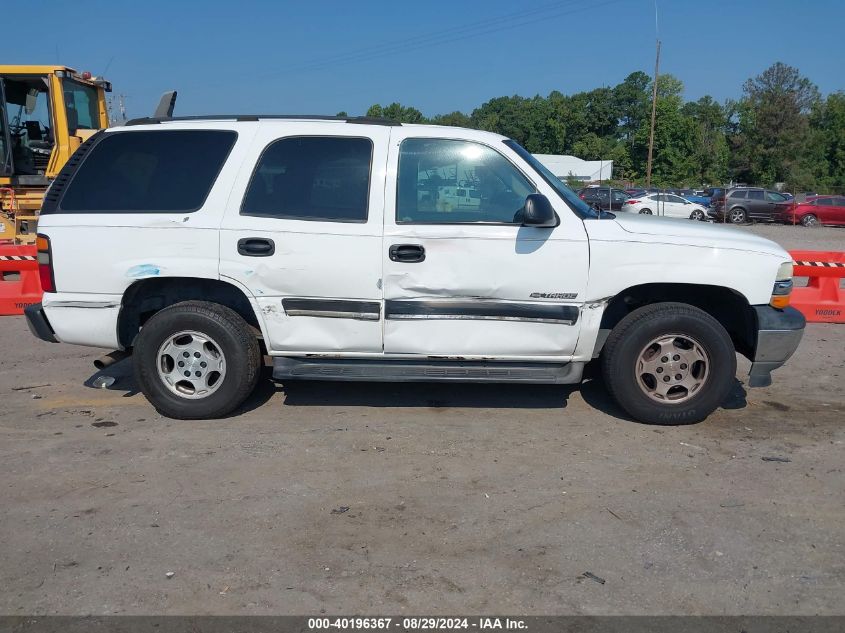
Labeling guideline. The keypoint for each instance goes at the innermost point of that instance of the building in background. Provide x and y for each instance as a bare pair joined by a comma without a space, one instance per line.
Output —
586,171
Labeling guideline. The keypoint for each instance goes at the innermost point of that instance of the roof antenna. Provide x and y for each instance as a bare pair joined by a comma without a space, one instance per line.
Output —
166,105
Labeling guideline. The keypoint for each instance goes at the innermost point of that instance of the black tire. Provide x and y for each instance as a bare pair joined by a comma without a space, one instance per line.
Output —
228,330
809,220
632,335
698,214
645,212
738,216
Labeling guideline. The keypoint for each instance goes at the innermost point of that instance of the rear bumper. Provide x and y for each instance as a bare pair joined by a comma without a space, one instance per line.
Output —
38,324
778,334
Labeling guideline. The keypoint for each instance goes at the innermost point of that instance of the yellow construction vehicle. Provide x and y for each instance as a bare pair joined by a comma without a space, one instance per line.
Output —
46,112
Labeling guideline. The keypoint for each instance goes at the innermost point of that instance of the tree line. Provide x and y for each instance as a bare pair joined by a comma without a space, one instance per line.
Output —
780,130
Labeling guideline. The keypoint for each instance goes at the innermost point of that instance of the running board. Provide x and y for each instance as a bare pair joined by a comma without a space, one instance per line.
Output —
287,368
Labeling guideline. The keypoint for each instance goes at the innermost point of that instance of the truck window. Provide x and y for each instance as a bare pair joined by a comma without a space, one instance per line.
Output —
429,170
148,172
83,109
322,178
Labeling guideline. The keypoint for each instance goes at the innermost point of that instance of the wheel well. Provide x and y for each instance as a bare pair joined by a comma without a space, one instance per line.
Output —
146,297
728,307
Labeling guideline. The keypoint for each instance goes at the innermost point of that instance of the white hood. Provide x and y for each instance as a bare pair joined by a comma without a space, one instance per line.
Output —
640,228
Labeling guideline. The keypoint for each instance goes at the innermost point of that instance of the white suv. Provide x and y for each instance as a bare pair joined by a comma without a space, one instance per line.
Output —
360,249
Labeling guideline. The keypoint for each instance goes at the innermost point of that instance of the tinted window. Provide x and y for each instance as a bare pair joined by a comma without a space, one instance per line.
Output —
676,199
839,202
738,194
312,178
774,196
825,202
755,195
149,172
431,170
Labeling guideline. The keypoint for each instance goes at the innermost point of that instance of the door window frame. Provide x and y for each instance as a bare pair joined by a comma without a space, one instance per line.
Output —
396,220
267,147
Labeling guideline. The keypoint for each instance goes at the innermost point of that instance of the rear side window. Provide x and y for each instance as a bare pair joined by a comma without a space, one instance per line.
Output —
148,172
323,178
738,194
755,195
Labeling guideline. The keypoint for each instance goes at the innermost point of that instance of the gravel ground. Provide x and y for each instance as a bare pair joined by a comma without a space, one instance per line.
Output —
375,498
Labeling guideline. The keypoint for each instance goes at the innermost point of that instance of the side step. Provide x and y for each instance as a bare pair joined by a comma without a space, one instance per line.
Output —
288,368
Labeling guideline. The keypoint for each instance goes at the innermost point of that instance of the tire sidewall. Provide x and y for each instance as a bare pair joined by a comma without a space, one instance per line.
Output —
742,220
145,360
721,371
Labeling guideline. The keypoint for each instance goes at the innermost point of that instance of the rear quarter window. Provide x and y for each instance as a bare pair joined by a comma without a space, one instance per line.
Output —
168,171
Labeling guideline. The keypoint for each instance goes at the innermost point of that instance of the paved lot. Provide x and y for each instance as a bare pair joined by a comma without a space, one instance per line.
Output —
420,498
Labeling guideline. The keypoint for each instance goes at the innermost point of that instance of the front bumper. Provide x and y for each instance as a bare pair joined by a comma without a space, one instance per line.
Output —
778,334
38,324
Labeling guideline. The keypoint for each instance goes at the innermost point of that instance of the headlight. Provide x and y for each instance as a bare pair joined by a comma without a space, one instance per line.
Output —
783,286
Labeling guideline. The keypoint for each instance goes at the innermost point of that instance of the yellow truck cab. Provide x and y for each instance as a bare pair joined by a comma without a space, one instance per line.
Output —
46,112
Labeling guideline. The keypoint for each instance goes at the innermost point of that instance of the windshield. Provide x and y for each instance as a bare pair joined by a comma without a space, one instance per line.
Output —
570,197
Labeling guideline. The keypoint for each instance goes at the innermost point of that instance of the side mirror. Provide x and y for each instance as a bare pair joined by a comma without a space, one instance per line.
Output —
538,212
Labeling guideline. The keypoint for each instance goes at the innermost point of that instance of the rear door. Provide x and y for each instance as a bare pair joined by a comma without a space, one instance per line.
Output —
837,211
302,234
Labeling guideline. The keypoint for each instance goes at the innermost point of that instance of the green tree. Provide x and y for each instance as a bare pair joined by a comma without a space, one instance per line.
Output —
773,127
826,159
396,112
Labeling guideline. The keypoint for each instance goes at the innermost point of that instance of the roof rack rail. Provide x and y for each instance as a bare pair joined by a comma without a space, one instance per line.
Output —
150,120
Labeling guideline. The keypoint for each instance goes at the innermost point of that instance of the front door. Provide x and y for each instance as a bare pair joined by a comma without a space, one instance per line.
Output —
303,234
462,277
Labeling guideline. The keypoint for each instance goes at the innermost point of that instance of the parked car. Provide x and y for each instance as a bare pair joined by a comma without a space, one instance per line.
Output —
341,249
751,203
665,204
692,196
815,211
606,198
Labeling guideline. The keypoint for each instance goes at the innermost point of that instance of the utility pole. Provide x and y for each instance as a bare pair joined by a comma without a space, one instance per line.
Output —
653,115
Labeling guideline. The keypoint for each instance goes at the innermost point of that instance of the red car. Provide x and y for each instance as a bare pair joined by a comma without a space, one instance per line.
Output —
816,210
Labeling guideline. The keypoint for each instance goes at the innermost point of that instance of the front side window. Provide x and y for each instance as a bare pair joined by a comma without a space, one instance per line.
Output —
824,202
83,109
321,178
168,171
775,197
676,199
433,171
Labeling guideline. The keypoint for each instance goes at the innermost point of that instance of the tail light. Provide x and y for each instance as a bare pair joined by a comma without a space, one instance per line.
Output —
631,202
582,196
45,263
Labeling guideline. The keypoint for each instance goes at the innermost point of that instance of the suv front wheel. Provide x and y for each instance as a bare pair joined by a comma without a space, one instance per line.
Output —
669,363
196,360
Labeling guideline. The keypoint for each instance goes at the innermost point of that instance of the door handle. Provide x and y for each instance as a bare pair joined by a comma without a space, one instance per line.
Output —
407,253
256,247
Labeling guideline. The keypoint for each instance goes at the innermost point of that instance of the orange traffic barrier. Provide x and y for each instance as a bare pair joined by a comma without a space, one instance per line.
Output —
821,300
20,285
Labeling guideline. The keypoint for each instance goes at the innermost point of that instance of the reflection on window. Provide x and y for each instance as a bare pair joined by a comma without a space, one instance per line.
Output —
448,181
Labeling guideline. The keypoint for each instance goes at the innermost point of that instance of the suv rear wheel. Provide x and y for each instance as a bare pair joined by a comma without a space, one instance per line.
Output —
738,216
196,360
669,363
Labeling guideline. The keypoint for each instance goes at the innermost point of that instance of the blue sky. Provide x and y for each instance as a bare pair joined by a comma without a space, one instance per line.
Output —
437,55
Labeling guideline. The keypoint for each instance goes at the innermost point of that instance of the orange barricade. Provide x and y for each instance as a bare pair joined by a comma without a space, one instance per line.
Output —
822,300
20,285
